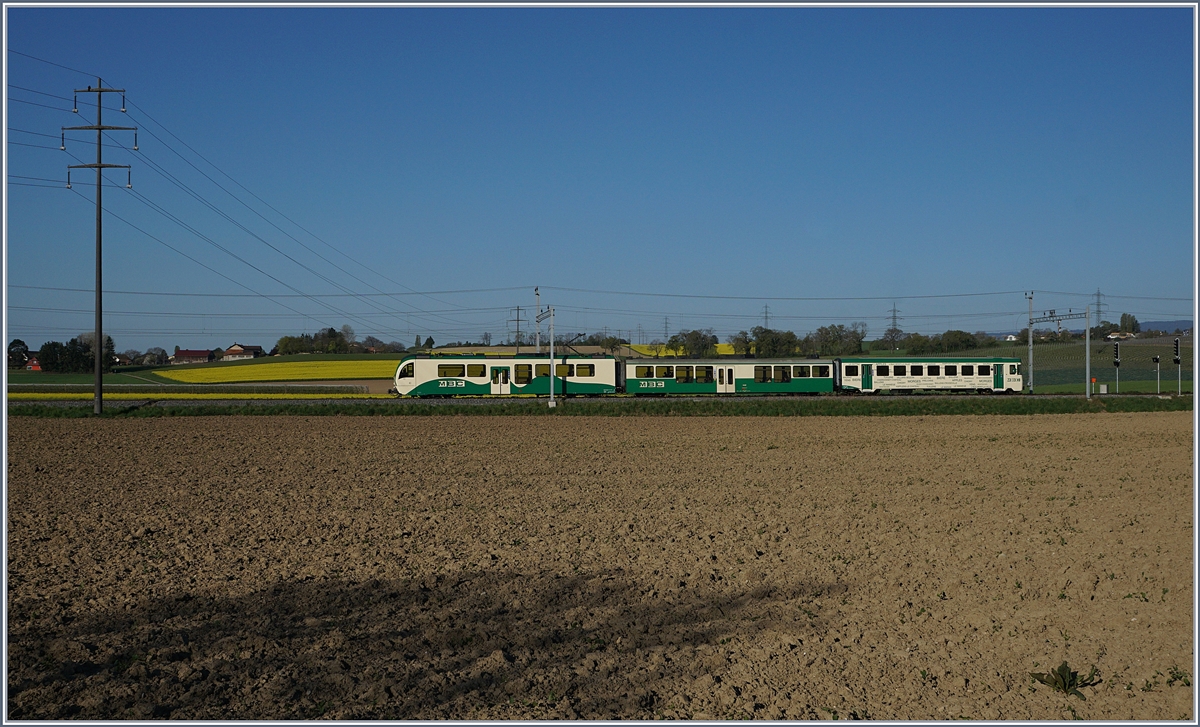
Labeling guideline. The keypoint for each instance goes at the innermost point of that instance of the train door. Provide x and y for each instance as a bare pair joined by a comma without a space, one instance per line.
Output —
725,380
866,377
500,383
998,376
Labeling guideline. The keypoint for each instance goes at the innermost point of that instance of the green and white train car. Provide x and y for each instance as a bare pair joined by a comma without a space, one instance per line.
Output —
528,375
791,376
900,374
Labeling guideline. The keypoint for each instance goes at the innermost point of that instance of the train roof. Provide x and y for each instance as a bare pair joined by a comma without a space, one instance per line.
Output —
489,356
930,359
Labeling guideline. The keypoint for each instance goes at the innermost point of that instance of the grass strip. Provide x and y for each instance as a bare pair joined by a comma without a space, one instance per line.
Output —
819,406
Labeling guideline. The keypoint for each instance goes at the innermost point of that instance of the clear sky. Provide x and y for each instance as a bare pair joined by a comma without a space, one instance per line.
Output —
744,156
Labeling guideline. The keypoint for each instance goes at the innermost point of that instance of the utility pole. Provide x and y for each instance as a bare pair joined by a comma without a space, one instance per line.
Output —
767,317
99,166
666,329
1029,297
1098,306
538,336
549,313
518,321
895,329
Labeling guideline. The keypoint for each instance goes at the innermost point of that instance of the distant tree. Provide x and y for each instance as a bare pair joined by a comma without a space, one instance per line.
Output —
132,354
892,338
917,345
985,340
1129,323
373,342
741,343
154,356
330,340
73,357
51,356
417,343
958,341
770,343
1105,328
486,339
18,354
696,344
218,353
839,340
429,342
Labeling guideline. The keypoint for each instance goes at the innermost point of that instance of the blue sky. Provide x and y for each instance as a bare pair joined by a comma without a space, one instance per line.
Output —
864,154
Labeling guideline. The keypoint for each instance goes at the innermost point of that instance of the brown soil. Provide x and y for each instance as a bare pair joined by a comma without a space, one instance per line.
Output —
475,567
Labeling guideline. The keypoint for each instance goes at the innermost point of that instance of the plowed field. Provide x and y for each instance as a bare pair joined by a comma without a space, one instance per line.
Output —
511,567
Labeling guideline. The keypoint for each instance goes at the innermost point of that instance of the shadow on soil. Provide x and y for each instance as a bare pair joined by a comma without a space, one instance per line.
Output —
488,644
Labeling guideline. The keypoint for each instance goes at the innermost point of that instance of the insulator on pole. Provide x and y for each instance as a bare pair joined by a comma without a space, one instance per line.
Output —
128,179
63,144
68,179
122,103
75,103
135,141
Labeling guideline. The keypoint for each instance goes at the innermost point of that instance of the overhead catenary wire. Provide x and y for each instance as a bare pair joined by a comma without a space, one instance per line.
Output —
154,166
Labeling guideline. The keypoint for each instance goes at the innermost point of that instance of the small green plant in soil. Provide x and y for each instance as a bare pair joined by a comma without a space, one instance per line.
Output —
1175,674
1066,681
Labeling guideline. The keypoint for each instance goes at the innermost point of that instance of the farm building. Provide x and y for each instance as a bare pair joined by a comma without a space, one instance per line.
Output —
32,364
185,356
238,351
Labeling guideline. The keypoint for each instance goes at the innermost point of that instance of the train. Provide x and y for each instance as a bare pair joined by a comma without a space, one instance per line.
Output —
450,375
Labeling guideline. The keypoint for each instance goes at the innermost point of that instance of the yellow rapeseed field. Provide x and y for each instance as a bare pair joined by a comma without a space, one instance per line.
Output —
284,371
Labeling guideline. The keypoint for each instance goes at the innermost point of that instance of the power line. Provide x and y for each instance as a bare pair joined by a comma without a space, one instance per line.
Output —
52,63
775,298
277,295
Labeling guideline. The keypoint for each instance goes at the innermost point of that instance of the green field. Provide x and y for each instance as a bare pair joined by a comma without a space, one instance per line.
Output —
1057,364
773,407
140,376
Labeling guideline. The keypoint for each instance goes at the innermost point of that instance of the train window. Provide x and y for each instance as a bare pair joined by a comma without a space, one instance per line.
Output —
407,371
935,370
721,376
820,372
564,369
968,370
704,374
851,371
542,370
800,372
476,370
683,374
445,370
523,373
901,370
918,370
985,370
762,374
783,374
664,372
643,372
951,370
1012,368
881,370
585,370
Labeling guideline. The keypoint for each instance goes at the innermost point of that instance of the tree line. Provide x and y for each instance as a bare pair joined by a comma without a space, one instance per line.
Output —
76,356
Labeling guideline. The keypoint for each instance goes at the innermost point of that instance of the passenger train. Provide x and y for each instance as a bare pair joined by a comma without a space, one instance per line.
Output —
425,375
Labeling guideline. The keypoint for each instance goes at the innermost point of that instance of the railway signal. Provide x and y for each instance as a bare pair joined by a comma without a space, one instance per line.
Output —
1158,374
1178,371
1117,365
